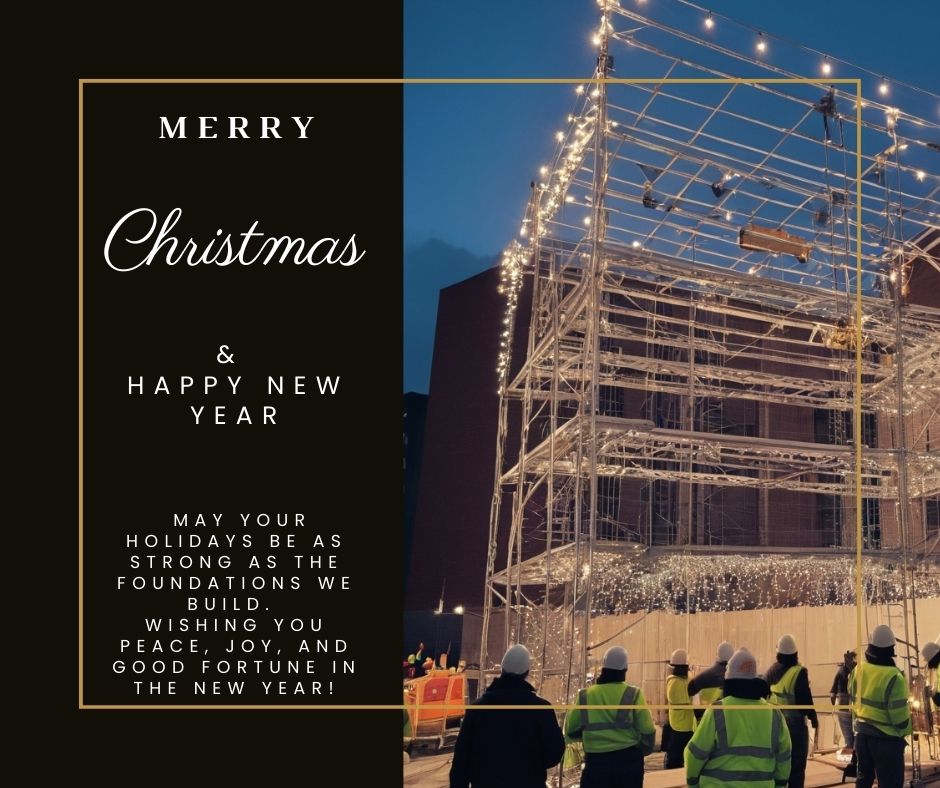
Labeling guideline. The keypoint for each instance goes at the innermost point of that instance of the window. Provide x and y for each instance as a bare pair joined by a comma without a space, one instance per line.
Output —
932,516
871,523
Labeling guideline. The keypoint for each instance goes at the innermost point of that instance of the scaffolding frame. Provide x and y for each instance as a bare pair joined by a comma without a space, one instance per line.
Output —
652,324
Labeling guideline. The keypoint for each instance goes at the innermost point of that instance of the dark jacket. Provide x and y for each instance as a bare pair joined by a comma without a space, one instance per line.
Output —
751,689
801,689
708,678
840,685
507,748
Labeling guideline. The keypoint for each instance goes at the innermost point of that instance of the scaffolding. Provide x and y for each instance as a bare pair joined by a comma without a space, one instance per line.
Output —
727,352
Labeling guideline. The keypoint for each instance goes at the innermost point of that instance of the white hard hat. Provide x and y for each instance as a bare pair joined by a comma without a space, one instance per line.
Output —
679,657
929,651
725,650
786,645
882,636
516,660
615,658
742,665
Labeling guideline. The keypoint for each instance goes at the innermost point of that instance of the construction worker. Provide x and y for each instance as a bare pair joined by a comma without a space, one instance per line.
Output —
681,721
709,683
789,686
931,655
614,740
878,692
739,748
504,747
839,694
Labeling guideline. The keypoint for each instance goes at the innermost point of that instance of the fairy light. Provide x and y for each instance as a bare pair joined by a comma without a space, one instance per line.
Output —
883,87
559,136
579,89
761,43
709,22
636,244
725,583
596,39
587,220
543,170
920,175
826,67
728,216
510,283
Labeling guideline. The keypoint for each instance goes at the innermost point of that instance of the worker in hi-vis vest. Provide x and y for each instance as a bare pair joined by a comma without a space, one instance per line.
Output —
878,692
681,721
789,686
740,747
709,683
931,654
614,740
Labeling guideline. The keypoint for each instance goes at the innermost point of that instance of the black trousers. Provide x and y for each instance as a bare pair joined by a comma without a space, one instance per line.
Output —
617,769
879,757
675,750
799,743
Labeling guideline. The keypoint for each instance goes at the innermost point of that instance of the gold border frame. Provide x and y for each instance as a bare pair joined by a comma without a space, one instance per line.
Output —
857,405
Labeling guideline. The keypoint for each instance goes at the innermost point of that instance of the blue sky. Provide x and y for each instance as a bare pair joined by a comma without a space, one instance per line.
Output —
471,151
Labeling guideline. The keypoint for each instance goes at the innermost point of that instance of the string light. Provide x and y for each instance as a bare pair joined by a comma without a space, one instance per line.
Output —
761,44
921,175
636,244
510,282
883,87
826,67
596,40
726,583
543,170
709,22
587,220
579,89
560,136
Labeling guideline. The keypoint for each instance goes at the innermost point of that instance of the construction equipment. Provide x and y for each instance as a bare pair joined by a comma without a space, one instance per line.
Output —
435,705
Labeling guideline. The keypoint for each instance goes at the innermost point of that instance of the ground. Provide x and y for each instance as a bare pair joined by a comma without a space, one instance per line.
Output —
431,771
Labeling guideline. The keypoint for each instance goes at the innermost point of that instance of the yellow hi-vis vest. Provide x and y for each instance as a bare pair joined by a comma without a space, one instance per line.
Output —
879,698
606,730
739,748
710,695
677,693
783,693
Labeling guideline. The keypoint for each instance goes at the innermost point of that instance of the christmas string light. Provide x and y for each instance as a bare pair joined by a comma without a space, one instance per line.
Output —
510,283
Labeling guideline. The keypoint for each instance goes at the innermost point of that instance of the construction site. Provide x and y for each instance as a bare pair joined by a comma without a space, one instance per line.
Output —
724,424
718,375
